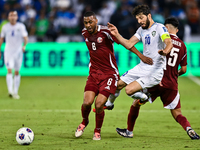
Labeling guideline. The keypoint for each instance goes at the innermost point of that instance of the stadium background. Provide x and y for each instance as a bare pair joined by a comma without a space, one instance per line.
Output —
56,46
50,106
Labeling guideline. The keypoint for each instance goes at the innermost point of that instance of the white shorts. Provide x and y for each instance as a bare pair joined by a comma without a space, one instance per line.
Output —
146,78
13,61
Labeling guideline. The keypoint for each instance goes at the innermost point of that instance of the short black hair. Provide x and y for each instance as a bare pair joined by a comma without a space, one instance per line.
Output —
173,21
89,13
141,9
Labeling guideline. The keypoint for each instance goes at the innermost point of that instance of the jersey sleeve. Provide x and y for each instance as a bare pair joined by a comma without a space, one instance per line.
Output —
113,38
184,58
24,32
138,33
163,32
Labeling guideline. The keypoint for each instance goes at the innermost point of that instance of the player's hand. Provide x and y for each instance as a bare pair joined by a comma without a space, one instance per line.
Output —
112,29
146,60
23,48
160,84
161,52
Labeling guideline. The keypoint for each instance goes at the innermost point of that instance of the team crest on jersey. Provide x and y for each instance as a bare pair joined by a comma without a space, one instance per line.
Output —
153,33
99,40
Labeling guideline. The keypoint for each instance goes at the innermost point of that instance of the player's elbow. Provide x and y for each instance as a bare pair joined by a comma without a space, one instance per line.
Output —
184,69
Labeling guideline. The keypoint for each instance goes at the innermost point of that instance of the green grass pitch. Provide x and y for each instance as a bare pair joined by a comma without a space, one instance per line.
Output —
50,106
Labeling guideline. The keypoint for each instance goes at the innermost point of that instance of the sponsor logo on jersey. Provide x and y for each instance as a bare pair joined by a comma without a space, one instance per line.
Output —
125,73
153,33
99,40
142,81
107,87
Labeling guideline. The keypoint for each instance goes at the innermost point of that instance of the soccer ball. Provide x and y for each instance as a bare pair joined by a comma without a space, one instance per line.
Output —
24,136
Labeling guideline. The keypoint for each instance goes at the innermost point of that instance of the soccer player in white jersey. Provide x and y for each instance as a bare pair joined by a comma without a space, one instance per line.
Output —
14,34
156,45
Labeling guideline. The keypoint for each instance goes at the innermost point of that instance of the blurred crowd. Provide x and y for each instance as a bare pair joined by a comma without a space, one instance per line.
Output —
62,20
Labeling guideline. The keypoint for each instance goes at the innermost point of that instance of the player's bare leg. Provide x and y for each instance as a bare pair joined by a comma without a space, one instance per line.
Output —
133,90
9,81
110,103
182,120
16,85
99,106
85,110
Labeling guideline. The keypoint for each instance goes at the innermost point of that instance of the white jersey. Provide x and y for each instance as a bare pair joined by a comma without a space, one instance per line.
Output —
152,40
13,35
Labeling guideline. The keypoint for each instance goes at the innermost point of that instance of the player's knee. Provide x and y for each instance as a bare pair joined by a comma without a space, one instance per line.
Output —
136,103
121,85
87,103
129,91
16,72
9,70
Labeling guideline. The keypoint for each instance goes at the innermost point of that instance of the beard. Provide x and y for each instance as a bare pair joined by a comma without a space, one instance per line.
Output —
147,24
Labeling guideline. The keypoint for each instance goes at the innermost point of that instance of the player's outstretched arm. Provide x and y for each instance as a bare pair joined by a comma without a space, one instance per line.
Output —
126,43
145,59
1,41
168,47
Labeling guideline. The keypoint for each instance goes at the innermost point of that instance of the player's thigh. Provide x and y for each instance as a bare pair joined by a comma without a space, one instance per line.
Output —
88,98
170,98
91,85
132,88
108,85
18,61
100,101
131,75
9,61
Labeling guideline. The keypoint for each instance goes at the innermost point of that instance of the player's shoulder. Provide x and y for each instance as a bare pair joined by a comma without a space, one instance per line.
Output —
158,25
175,37
84,31
6,25
20,24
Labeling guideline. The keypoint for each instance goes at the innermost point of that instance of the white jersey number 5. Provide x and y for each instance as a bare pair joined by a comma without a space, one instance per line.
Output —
173,57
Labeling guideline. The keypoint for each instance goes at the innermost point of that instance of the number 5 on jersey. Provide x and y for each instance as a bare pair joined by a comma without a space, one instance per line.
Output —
173,57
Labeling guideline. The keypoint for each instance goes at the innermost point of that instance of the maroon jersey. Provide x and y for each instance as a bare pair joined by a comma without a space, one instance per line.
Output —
101,50
178,55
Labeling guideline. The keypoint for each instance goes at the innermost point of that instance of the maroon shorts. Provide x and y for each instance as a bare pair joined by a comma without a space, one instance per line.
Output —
167,96
105,84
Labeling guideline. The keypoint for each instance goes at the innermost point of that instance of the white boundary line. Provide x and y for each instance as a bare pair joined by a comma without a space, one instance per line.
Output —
194,79
79,111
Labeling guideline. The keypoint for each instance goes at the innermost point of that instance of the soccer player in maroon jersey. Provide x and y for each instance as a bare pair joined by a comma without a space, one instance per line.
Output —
103,74
168,88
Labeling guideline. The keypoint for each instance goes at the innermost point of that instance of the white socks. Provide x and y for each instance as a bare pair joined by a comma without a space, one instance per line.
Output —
9,81
112,98
16,83
139,95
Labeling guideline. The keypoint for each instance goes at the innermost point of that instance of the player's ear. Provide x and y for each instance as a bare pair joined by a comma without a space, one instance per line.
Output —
96,20
149,16
177,30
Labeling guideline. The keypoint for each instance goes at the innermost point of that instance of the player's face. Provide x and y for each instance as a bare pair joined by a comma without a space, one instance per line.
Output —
12,17
143,20
90,24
